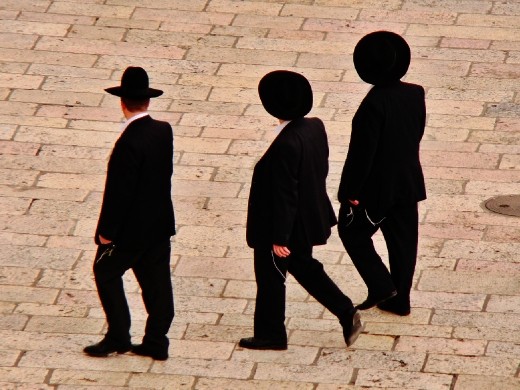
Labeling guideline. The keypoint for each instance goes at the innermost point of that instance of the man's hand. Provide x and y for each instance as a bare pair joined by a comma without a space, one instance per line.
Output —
103,240
281,251
354,202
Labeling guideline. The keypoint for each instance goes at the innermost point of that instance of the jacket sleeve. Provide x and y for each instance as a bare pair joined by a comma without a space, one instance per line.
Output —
366,130
284,182
120,188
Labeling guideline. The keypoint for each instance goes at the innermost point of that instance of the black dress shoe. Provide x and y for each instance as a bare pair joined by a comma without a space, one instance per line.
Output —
373,300
144,350
394,308
352,327
106,347
255,343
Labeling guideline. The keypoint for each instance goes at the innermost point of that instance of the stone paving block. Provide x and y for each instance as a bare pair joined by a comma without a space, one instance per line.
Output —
473,365
88,378
19,275
221,383
390,360
403,380
504,321
159,381
38,309
13,321
204,368
8,358
399,329
484,382
195,349
295,354
441,345
449,300
303,373
13,206
210,305
23,375
468,282
46,57
502,349
209,267
206,332
489,251
80,361
48,324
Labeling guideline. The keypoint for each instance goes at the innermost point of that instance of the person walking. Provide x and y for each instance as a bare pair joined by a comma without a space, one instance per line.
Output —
136,223
289,212
382,179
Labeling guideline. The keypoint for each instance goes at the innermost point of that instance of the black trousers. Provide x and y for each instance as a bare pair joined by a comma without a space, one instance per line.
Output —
400,231
151,267
270,272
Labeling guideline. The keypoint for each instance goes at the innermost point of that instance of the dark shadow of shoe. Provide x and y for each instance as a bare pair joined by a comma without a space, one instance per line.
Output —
262,344
373,300
105,348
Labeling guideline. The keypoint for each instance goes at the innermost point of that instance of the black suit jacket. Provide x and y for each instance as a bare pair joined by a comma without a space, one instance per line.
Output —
382,168
137,207
288,202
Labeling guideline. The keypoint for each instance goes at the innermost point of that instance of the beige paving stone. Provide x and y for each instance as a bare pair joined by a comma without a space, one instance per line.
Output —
88,378
504,321
473,365
447,300
402,380
468,282
13,321
441,345
502,349
205,368
23,375
79,361
19,275
400,329
303,373
295,354
48,324
195,349
484,382
159,381
221,383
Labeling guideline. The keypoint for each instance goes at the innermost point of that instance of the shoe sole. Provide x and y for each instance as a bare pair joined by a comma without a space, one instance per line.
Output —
272,348
357,327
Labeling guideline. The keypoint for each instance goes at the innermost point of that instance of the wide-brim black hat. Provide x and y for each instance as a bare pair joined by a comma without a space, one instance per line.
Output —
134,85
285,95
381,57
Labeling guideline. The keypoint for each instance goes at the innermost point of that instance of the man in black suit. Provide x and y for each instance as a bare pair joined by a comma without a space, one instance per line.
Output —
136,223
289,212
382,180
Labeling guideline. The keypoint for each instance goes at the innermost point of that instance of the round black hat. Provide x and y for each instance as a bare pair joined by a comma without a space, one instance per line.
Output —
285,95
134,85
381,57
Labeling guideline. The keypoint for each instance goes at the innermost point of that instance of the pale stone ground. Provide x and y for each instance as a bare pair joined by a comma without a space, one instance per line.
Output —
57,127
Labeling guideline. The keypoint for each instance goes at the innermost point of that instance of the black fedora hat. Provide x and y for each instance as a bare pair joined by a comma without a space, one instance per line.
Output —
381,57
285,95
134,85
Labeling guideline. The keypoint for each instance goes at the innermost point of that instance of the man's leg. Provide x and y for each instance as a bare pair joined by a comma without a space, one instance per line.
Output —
269,321
310,273
109,266
356,233
152,271
400,230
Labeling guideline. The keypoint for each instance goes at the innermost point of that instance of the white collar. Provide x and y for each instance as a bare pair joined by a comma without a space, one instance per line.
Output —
133,118
281,126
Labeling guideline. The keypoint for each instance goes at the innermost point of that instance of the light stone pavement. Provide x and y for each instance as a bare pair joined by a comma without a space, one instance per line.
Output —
57,127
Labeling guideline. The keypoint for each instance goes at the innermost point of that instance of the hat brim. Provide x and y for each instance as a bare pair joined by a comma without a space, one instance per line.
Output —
134,94
285,95
397,62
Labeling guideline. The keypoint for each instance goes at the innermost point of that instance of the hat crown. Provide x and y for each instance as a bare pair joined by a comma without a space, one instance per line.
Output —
135,78
134,85
285,95
381,57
